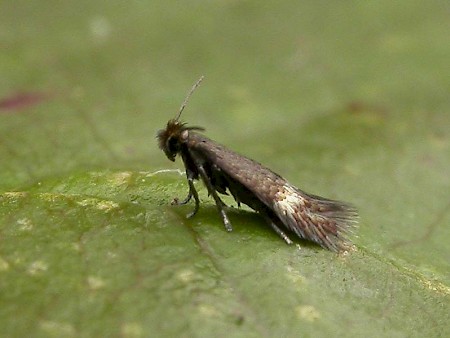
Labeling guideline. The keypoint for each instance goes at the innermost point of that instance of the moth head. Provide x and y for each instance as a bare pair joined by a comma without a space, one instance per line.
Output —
176,134
170,140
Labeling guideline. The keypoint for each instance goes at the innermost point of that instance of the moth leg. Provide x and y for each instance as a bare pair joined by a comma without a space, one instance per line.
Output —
277,229
176,201
220,205
192,193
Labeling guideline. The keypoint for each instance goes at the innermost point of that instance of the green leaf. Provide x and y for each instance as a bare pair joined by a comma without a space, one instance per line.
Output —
345,100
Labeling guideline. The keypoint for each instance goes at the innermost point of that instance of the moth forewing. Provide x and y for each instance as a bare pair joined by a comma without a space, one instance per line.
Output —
311,217
323,221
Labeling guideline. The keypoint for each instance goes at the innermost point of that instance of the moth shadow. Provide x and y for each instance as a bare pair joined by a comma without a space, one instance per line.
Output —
247,224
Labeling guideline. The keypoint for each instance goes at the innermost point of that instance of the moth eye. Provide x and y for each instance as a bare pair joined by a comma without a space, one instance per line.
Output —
172,145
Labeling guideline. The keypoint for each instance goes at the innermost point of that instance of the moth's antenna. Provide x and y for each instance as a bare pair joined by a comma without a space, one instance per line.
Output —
194,87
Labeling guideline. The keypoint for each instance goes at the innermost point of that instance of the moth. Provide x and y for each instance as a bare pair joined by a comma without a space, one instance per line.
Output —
283,206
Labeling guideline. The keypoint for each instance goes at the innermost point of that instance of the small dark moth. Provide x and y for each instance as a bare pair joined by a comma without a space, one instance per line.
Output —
281,204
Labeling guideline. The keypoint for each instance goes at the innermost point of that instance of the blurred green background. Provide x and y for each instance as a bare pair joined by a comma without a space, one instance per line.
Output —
348,100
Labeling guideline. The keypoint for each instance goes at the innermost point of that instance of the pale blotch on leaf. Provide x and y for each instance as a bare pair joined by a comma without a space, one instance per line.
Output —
208,310
437,287
76,246
348,249
51,198
111,254
307,312
295,277
37,267
95,283
132,330
100,28
25,224
13,196
4,265
122,178
57,329
106,206
186,276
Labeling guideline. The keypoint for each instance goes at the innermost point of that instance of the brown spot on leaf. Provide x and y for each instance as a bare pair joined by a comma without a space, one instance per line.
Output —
360,107
21,100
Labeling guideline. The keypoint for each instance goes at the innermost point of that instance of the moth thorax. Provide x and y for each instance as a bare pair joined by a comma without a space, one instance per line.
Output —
184,135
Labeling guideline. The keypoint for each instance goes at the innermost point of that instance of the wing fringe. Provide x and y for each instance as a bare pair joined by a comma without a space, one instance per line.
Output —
326,222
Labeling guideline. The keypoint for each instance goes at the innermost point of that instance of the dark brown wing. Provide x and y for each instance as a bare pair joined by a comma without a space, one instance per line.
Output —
263,182
321,220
